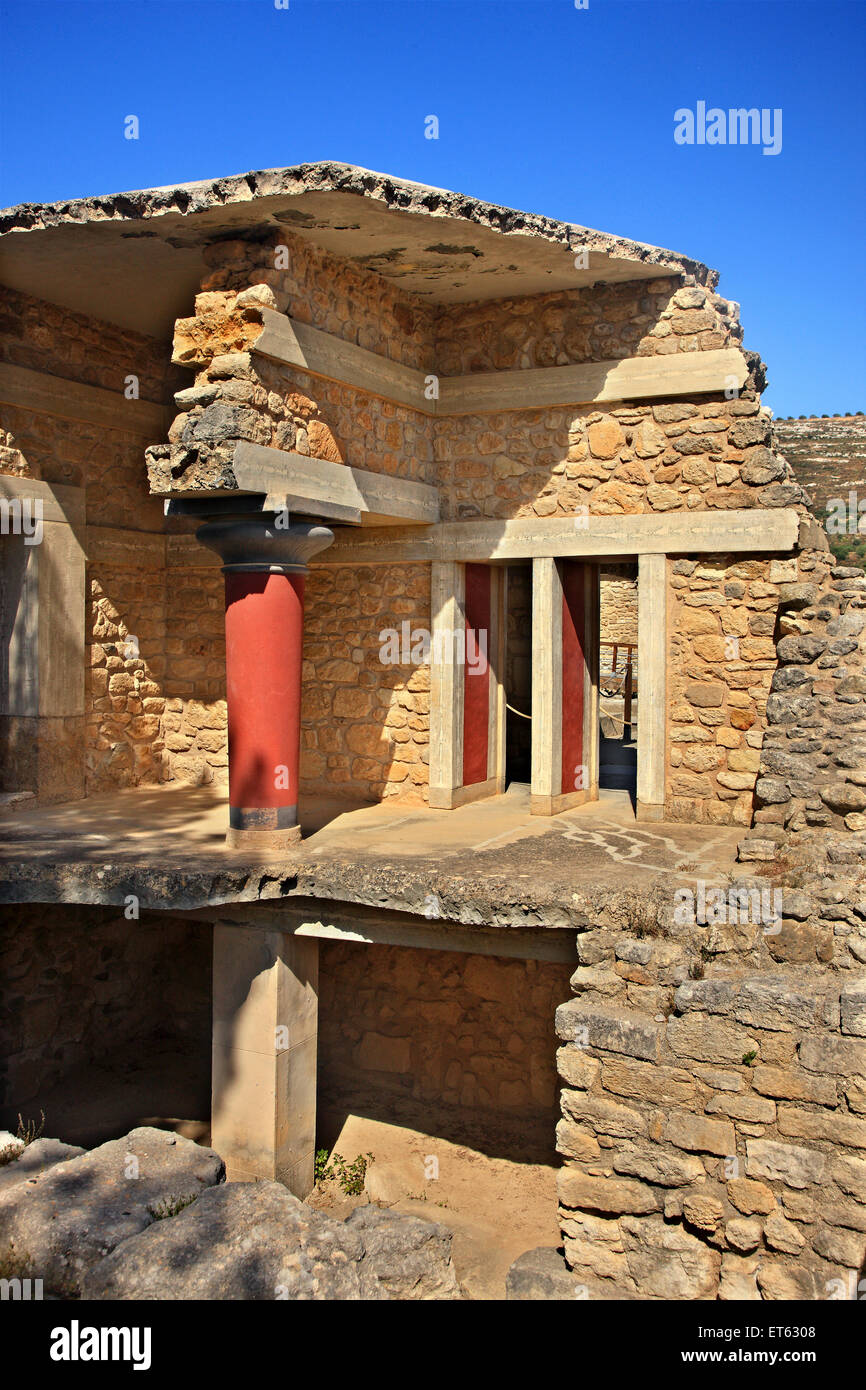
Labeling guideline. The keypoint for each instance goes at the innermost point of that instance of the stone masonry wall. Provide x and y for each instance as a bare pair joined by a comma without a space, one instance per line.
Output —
714,1059
82,983
713,1099
466,1032
618,602
365,724
125,691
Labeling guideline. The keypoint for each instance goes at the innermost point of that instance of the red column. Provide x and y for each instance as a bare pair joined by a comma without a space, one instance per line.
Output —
265,566
264,642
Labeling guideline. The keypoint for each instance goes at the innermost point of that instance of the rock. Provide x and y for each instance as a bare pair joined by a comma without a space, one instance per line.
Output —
703,1210
784,1162
697,1135
404,1257
847,625
61,1223
667,1262
742,1234
800,648
542,1276
781,1234
772,791
246,1241
35,1159
842,797
582,1193
750,1197
853,1003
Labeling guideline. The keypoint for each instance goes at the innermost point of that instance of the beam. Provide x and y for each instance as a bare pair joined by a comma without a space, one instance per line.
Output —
625,379
618,379
604,537
333,490
324,354
73,400
365,926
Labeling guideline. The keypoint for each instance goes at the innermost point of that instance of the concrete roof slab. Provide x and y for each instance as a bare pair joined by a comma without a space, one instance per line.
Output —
135,258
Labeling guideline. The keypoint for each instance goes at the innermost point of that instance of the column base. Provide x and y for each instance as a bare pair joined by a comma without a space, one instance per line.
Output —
263,841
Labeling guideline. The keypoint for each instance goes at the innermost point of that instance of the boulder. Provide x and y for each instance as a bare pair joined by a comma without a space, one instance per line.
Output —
256,1241
35,1159
58,1225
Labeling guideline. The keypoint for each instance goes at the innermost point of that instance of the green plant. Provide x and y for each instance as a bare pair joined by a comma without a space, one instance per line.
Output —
350,1176
30,1132
320,1170
748,1058
170,1206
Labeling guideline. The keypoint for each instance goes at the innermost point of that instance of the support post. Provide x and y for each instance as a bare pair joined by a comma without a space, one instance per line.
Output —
652,685
265,563
265,1022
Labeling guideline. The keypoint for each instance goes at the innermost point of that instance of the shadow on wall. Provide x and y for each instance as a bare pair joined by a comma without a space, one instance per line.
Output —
457,1046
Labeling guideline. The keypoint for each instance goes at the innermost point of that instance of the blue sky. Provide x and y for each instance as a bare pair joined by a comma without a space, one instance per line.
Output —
541,106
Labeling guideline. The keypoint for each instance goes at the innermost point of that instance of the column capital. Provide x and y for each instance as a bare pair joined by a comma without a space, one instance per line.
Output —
266,542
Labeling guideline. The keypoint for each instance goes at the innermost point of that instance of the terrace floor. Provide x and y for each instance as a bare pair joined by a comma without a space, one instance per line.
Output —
474,861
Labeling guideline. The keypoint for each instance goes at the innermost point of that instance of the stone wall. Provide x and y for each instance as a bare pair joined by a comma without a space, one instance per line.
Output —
713,1059
365,720
456,1033
125,688
81,984
713,1099
618,604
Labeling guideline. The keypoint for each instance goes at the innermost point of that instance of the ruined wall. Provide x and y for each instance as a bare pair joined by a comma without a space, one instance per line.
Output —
80,984
713,1059
126,600
618,604
457,1033
365,719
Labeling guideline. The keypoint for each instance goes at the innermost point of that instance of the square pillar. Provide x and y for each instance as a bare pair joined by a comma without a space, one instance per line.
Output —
652,685
565,739
265,1024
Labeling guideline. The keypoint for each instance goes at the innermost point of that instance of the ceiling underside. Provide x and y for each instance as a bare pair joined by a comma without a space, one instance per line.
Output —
135,259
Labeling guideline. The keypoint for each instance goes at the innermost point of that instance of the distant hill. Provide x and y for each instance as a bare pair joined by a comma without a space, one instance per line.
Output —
828,455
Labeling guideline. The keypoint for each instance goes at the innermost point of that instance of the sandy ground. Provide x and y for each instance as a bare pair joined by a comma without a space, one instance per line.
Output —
496,1208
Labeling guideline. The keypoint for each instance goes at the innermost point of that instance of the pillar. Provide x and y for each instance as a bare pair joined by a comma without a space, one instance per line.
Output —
565,744
265,1020
651,685
264,563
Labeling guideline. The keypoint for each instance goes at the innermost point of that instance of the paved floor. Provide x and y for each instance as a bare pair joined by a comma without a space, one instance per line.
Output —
488,850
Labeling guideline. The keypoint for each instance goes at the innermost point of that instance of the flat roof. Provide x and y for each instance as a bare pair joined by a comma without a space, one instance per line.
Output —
135,258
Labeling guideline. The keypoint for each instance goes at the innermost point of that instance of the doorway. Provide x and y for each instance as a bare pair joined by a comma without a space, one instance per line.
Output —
518,674
618,679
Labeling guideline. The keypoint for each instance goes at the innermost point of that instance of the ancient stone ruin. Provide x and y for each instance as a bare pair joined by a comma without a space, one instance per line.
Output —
429,705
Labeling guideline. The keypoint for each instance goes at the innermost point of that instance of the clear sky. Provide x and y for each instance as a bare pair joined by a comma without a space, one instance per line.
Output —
541,106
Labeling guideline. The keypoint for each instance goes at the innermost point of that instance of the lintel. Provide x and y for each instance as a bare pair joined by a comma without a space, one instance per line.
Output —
525,538
332,488
619,379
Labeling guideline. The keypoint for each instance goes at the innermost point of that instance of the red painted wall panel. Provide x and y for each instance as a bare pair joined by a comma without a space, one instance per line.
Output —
476,678
575,576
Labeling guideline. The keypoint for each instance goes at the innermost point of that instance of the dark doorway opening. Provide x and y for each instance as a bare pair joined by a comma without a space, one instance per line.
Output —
618,679
518,674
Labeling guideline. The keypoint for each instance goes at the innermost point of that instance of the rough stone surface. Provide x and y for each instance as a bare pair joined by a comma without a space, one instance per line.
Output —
257,1241
59,1224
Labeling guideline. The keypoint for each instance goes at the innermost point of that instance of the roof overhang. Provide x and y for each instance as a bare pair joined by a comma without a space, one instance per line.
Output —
135,259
